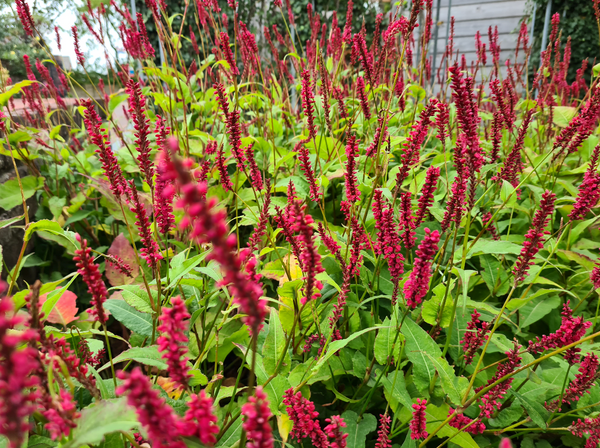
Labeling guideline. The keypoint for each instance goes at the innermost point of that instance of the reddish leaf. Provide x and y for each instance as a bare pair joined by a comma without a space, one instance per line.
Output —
122,249
65,309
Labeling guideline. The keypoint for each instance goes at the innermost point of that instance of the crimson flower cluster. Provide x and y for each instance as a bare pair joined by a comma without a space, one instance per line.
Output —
93,279
419,420
571,330
383,434
256,414
462,422
150,252
173,341
589,190
474,337
137,106
535,236
417,285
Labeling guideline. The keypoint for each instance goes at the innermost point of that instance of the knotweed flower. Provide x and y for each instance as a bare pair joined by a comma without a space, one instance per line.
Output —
260,229
496,137
137,106
589,426
334,431
93,279
225,179
383,434
584,380
490,400
460,421
362,96
388,240
109,161
589,191
474,337
78,53
304,419
255,175
61,414
347,34
165,192
352,192
200,420
417,285
427,191
381,134
571,330
308,101
209,226
486,219
407,224
227,53
150,252
419,419
256,420
17,376
161,424
25,17
172,342
535,236
595,277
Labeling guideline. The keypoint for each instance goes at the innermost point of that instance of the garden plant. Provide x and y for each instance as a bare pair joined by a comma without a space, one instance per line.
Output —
324,243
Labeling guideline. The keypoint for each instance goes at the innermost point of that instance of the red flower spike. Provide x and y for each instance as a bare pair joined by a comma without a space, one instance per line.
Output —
334,431
200,420
460,421
427,191
417,285
589,191
352,192
150,252
362,96
93,279
172,342
256,414
383,434
474,337
304,419
419,419
137,105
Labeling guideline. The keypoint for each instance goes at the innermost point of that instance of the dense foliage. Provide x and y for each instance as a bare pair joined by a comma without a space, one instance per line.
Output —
310,246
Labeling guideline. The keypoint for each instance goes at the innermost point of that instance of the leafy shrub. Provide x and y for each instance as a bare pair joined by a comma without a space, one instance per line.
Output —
341,258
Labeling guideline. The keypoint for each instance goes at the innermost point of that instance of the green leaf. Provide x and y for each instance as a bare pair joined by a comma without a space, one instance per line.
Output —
418,346
388,342
137,297
54,296
274,343
148,356
115,100
47,227
394,387
4,223
358,430
448,379
232,435
102,418
538,414
465,275
185,267
4,97
56,204
562,115
538,308
10,192
55,132
137,322
333,347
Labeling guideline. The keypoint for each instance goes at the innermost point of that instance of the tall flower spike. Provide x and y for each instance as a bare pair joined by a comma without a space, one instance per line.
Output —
93,279
107,157
407,224
462,422
308,101
306,167
227,53
25,17
419,420
417,285
535,236
165,192
256,414
427,191
172,342
208,225
571,330
200,420
304,419
352,192
490,401
154,414
255,174
17,369
362,96
589,426
137,106
60,413
78,52
589,191
383,434
150,252
584,380
474,337
334,431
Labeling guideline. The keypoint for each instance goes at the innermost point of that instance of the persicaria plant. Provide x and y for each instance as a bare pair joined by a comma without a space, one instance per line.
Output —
266,242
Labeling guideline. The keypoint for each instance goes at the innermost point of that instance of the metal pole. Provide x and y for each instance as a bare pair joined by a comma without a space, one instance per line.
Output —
547,20
533,21
435,41
448,34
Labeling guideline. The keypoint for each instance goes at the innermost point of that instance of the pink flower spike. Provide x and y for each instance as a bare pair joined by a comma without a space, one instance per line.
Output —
589,191
334,431
362,96
535,236
172,342
304,419
417,285
150,252
93,279
137,106
474,337
157,417
419,420
256,414
352,192
383,434
200,420
78,52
